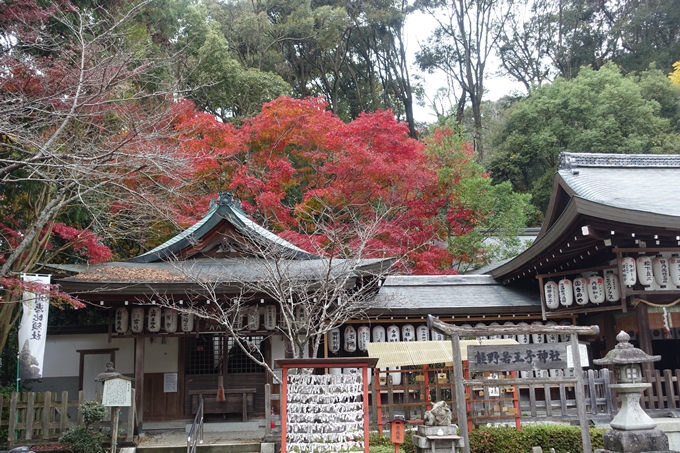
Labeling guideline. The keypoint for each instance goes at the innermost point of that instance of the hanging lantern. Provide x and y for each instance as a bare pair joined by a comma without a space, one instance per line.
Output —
551,337
408,332
524,337
437,336
481,337
537,338
643,266
566,292
509,337
565,337
423,333
121,320
580,285
350,339
270,317
494,337
137,320
334,340
378,333
660,267
187,321
254,318
396,376
363,337
551,298
596,289
674,269
628,272
611,287
392,333
169,320
153,323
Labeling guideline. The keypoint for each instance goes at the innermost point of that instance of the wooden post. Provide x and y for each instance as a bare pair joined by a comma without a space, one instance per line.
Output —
461,406
139,379
114,428
580,396
644,337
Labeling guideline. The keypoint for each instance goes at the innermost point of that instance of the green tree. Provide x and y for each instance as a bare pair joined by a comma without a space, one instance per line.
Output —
596,112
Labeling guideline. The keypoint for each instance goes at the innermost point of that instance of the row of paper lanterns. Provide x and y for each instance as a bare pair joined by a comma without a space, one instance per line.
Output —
648,270
353,339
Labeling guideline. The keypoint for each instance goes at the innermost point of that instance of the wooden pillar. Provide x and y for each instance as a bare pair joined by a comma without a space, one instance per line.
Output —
139,379
644,336
609,331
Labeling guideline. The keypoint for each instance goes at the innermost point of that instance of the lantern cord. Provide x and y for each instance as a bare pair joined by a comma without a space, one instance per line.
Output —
636,301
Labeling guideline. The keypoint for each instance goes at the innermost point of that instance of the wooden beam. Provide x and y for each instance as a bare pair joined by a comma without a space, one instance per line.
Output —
139,379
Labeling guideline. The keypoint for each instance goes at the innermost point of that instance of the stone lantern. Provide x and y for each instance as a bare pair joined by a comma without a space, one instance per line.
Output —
632,429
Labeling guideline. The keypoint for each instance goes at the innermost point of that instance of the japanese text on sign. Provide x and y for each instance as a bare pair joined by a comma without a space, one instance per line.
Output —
517,357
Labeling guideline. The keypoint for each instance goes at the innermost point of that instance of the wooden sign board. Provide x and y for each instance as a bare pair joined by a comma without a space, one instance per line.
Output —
117,392
522,357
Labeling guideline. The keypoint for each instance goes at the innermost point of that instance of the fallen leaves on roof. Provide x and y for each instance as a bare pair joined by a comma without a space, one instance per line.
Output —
129,274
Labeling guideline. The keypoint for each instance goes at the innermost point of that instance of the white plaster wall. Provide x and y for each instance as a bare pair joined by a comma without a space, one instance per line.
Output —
161,357
63,360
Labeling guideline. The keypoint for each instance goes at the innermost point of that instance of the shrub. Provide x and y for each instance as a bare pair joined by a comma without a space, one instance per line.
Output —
92,411
82,439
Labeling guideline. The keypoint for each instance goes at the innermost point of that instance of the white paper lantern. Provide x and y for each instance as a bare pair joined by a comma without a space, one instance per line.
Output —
393,333
334,340
643,266
674,269
153,320
395,375
350,339
169,320
628,272
537,338
596,289
565,337
481,337
363,337
566,292
378,334
408,332
552,300
523,338
580,285
437,336
552,337
121,320
423,333
611,287
254,318
187,321
660,267
270,317
137,320
495,336
510,337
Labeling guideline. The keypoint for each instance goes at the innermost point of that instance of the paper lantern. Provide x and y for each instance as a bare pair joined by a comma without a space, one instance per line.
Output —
565,337
596,289
674,269
580,285
153,320
628,272
423,333
187,321
334,340
437,336
270,317
393,333
643,266
363,337
254,318
137,320
350,339
408,332
566,292
552,337
510,337
523,338
378,333
537,338
396,376
611,287
661,274
495,336
121,320
169,320
481,337
552,300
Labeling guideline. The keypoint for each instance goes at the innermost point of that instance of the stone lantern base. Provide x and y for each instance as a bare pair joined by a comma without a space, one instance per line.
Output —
636,441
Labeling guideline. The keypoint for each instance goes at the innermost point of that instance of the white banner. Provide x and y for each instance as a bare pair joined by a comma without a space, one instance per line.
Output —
33,329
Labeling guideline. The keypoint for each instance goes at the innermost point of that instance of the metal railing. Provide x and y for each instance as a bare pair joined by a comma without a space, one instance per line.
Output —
196,430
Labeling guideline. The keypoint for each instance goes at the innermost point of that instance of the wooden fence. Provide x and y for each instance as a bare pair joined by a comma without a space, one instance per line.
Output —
40,418
664,395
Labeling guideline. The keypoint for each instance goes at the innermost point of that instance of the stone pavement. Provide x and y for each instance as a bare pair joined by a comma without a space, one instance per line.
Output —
163,434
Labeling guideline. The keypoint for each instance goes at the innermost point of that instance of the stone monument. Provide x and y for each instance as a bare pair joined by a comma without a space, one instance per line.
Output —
437,434
632,429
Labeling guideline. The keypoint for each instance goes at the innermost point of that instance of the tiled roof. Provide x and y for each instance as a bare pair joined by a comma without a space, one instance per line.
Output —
454,295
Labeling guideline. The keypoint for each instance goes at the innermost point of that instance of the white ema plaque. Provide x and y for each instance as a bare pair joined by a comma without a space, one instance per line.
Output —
170,382
117,392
